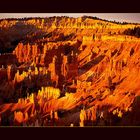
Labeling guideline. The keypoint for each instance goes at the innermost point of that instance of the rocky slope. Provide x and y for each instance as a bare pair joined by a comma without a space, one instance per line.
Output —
62,71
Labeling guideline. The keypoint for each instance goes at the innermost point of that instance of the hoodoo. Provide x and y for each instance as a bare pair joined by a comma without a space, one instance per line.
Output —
65,71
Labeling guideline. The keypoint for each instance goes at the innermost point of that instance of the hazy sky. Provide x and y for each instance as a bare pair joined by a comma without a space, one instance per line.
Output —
122,17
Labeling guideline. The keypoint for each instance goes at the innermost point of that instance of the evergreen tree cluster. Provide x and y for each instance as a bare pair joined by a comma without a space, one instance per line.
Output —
133,32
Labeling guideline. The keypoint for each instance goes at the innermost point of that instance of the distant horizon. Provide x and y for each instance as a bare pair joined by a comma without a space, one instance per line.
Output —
118,17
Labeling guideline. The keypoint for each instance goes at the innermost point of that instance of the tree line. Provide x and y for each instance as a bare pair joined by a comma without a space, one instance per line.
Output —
133,32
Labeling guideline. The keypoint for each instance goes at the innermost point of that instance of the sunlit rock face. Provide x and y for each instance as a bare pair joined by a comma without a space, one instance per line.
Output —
62,71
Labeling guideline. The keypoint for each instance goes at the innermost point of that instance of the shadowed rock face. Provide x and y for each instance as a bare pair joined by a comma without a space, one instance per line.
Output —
62,71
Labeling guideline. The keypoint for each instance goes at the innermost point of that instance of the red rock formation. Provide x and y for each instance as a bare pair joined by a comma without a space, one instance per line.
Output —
64,66
73,72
